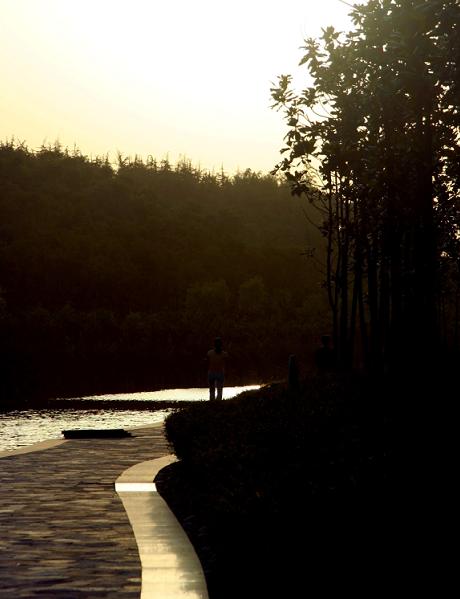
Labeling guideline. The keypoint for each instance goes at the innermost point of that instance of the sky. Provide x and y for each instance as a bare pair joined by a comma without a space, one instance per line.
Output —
175,78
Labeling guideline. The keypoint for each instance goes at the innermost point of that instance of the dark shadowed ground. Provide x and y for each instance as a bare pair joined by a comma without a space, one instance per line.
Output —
323,490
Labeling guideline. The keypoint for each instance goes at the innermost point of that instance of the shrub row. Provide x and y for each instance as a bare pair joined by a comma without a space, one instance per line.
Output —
270,468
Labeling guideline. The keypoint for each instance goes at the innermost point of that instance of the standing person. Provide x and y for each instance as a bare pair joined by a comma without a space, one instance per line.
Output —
325,355
216,369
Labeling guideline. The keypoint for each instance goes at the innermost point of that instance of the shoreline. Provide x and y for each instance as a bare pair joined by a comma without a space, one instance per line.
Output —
89,402
97,404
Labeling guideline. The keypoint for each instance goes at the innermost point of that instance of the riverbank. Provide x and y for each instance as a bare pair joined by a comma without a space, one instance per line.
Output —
282,491
95,404
47,419
152,399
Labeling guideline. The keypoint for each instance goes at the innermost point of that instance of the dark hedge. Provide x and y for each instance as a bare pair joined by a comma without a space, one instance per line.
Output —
281,490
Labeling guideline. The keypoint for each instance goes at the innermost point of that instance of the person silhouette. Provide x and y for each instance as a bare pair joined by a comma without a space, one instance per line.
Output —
216,369
293,373
325,355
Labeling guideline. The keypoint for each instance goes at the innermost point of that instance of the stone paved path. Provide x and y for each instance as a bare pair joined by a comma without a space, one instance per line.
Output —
64,531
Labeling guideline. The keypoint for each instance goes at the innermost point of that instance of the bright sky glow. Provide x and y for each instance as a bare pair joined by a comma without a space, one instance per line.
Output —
154,77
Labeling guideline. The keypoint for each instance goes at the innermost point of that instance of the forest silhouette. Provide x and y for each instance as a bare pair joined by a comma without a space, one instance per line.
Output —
111,276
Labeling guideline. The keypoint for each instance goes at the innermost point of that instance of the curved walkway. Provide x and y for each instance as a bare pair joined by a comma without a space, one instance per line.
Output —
65,533
170,566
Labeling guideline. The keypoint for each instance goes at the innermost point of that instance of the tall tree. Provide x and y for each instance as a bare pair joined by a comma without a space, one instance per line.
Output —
379,131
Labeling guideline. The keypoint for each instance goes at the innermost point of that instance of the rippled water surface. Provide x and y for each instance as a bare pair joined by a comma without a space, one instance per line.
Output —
25,427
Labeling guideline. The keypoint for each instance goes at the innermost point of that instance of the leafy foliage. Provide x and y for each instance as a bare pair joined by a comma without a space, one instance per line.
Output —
378,134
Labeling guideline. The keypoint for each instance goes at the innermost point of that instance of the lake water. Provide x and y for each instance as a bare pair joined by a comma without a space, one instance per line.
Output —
25,427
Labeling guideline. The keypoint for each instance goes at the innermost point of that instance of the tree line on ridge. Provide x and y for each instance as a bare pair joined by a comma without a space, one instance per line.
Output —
119,278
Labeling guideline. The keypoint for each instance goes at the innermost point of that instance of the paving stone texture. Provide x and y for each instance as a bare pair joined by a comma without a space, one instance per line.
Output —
64,531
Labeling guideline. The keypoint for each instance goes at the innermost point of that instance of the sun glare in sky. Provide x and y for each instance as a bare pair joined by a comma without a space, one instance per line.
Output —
148,77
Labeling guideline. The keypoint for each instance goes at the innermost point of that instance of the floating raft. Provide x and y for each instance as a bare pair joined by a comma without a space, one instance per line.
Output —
96,433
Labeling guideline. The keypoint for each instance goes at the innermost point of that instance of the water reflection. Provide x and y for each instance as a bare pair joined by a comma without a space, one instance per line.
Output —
25,427
191,394
20,428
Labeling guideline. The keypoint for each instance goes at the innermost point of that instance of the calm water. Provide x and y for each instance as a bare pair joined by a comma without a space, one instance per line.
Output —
25,427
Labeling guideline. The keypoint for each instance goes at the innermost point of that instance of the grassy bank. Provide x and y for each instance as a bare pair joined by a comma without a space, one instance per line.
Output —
280,491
